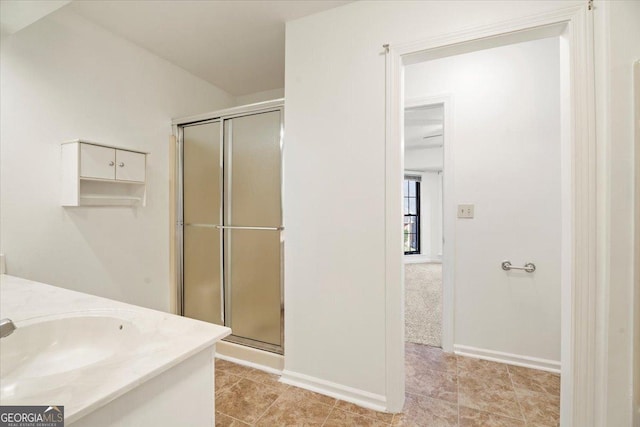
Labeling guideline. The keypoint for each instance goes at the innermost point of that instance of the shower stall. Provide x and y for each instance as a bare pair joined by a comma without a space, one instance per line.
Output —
229,222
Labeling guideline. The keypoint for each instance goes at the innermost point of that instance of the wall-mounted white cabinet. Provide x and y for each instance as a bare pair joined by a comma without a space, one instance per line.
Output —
102,175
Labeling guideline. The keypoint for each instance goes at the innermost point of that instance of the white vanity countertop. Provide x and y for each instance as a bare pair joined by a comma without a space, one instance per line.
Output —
161,341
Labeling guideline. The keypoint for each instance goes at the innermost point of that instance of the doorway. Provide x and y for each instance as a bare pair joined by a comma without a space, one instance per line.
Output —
577,240
507,100
422,197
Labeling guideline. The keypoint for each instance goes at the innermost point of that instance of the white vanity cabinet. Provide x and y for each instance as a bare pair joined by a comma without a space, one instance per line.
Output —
101,175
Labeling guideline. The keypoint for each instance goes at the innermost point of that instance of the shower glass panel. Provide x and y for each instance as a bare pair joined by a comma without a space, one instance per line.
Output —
253,265
202,174
253,178
202,274
202,212
254,285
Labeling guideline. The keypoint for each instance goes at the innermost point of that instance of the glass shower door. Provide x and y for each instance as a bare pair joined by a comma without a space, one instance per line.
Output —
202,213
253,227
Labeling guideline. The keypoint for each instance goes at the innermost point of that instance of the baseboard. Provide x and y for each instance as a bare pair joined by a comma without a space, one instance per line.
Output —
359,397
251,357
508,358
418,259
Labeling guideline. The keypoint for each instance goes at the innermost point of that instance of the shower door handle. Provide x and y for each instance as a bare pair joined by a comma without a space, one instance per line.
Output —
240,227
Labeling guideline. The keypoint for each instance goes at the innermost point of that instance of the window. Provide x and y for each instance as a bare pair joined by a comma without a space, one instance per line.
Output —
411,215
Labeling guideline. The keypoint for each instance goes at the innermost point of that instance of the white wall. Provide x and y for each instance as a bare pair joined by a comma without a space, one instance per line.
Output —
335,125
635,352
335,118
423,158
636,296
266,95
431,189
506,151
64,78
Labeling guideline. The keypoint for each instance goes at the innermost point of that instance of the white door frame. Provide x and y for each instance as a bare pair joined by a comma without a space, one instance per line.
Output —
448,213
579,347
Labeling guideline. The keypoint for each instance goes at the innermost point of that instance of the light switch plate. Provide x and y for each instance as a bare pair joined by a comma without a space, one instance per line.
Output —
465,211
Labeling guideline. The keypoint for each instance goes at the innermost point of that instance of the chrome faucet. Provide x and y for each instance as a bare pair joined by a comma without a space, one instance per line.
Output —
6,327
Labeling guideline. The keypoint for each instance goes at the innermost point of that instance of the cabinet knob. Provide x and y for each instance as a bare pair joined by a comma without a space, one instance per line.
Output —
121,164
111,163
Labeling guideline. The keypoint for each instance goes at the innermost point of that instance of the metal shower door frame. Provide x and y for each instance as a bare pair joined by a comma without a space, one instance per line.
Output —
178,129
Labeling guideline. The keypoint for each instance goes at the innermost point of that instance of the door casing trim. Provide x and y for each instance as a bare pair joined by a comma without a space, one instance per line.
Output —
582,396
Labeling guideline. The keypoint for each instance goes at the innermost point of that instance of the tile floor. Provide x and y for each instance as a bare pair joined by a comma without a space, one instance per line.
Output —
442,390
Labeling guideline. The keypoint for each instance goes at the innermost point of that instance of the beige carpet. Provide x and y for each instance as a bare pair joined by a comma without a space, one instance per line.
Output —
423,303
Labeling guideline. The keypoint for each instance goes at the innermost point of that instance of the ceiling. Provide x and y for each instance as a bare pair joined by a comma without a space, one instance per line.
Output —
18,14
236,45
423,127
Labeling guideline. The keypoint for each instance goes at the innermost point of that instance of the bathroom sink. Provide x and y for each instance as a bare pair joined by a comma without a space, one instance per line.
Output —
48,353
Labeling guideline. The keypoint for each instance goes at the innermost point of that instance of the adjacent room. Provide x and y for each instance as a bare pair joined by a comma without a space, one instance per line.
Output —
423,162
505,274
319,213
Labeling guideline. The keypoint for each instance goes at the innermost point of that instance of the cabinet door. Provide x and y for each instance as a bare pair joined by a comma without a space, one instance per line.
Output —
130,166
97,162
